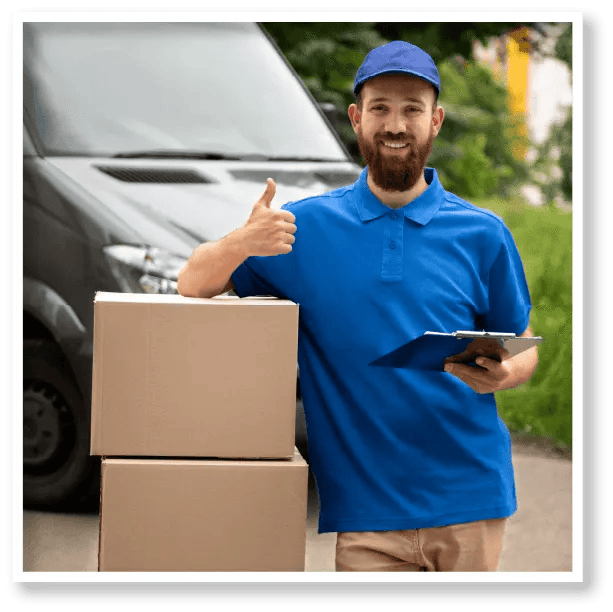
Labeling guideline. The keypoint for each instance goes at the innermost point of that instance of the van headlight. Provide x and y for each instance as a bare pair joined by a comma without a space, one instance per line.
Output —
144,269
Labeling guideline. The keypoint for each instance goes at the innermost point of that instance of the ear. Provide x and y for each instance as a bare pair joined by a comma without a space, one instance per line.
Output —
354,115
438,117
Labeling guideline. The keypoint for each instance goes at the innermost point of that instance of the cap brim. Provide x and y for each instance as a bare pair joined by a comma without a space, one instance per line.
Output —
434,84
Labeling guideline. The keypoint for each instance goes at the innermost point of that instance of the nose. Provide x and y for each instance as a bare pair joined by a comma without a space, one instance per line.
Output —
395,123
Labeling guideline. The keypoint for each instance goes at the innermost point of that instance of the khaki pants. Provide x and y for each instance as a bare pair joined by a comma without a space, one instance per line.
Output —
465,547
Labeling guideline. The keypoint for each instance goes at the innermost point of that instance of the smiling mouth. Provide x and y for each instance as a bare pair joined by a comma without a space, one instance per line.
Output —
395,145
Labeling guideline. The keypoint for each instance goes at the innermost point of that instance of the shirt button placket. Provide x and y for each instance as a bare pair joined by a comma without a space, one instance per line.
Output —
391,264
399,243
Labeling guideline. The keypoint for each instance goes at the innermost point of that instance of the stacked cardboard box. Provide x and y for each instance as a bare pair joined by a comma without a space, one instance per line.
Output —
193,413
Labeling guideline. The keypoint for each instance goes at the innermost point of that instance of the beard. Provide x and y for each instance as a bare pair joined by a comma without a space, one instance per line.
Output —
397,173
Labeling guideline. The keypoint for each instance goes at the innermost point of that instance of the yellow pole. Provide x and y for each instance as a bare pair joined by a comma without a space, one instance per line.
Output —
518,58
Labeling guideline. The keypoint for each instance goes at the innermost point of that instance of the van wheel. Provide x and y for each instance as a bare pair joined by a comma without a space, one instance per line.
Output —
56,461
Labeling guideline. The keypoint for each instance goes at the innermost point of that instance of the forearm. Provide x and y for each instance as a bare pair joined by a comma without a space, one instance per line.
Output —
496,376
267,232
208,271
521,368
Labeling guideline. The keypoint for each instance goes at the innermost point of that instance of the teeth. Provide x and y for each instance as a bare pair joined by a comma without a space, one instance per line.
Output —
394,145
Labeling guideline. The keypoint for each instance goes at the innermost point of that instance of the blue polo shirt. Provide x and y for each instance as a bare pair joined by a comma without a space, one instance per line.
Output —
396,448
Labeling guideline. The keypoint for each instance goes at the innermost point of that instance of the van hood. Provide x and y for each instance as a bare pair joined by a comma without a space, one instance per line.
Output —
178,204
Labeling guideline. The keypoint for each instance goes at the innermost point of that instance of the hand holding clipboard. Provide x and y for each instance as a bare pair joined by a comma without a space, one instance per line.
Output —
432,350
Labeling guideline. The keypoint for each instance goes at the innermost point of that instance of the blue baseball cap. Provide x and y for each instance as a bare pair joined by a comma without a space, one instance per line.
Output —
398,57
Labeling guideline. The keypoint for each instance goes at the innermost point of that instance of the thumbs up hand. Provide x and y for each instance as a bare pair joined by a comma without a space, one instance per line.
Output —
268,231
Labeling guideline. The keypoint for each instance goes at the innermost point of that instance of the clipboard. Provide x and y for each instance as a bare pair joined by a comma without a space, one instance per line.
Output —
432,350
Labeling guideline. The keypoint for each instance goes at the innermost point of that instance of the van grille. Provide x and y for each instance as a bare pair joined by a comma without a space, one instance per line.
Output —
340,178
153,175
300,178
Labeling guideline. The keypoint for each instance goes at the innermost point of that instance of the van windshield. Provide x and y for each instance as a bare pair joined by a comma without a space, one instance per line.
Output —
214,89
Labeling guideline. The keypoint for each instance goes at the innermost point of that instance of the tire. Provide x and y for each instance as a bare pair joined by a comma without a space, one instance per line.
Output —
57,467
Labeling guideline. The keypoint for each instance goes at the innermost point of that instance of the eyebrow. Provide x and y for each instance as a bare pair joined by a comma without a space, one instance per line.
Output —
385,99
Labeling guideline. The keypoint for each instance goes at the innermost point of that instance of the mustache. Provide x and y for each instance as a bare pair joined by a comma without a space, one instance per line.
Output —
389,137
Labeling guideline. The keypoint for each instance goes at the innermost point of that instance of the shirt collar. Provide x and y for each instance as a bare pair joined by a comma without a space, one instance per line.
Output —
420,210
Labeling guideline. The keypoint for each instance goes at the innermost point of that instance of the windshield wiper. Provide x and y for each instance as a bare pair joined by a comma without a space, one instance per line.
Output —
195,154
302,159
179,154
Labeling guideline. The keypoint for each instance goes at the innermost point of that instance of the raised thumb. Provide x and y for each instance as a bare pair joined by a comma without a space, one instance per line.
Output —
269,192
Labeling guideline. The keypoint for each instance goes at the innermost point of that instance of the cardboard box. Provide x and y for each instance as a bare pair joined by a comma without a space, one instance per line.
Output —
203,515
190,377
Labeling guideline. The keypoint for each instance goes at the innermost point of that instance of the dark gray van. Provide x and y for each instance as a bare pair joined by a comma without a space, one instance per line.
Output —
141,140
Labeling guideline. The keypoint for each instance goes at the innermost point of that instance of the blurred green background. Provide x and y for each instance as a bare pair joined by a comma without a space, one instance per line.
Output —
476,157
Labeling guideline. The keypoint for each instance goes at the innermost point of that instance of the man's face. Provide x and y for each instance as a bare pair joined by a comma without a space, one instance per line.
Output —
396,124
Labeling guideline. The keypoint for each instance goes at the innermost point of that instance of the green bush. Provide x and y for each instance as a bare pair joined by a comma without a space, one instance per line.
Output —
471,173
556,151
543,406
473,153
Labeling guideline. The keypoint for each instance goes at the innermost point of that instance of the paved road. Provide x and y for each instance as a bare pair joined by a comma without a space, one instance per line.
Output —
538,536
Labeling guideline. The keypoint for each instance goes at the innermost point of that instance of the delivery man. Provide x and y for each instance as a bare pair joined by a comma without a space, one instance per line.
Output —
413,468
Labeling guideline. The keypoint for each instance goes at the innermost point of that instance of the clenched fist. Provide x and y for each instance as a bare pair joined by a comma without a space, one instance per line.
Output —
269,231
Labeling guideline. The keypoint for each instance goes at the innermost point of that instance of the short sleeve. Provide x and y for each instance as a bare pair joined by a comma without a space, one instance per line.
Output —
509,301
250,278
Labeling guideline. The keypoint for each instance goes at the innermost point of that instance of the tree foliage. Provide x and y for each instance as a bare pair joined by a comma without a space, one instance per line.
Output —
554,157
473,152
473,155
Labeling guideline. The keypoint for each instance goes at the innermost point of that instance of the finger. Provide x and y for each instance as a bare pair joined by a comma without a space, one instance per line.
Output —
475,382
462,371
269,193
469,375
288,216
503,354
500,353
493,367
